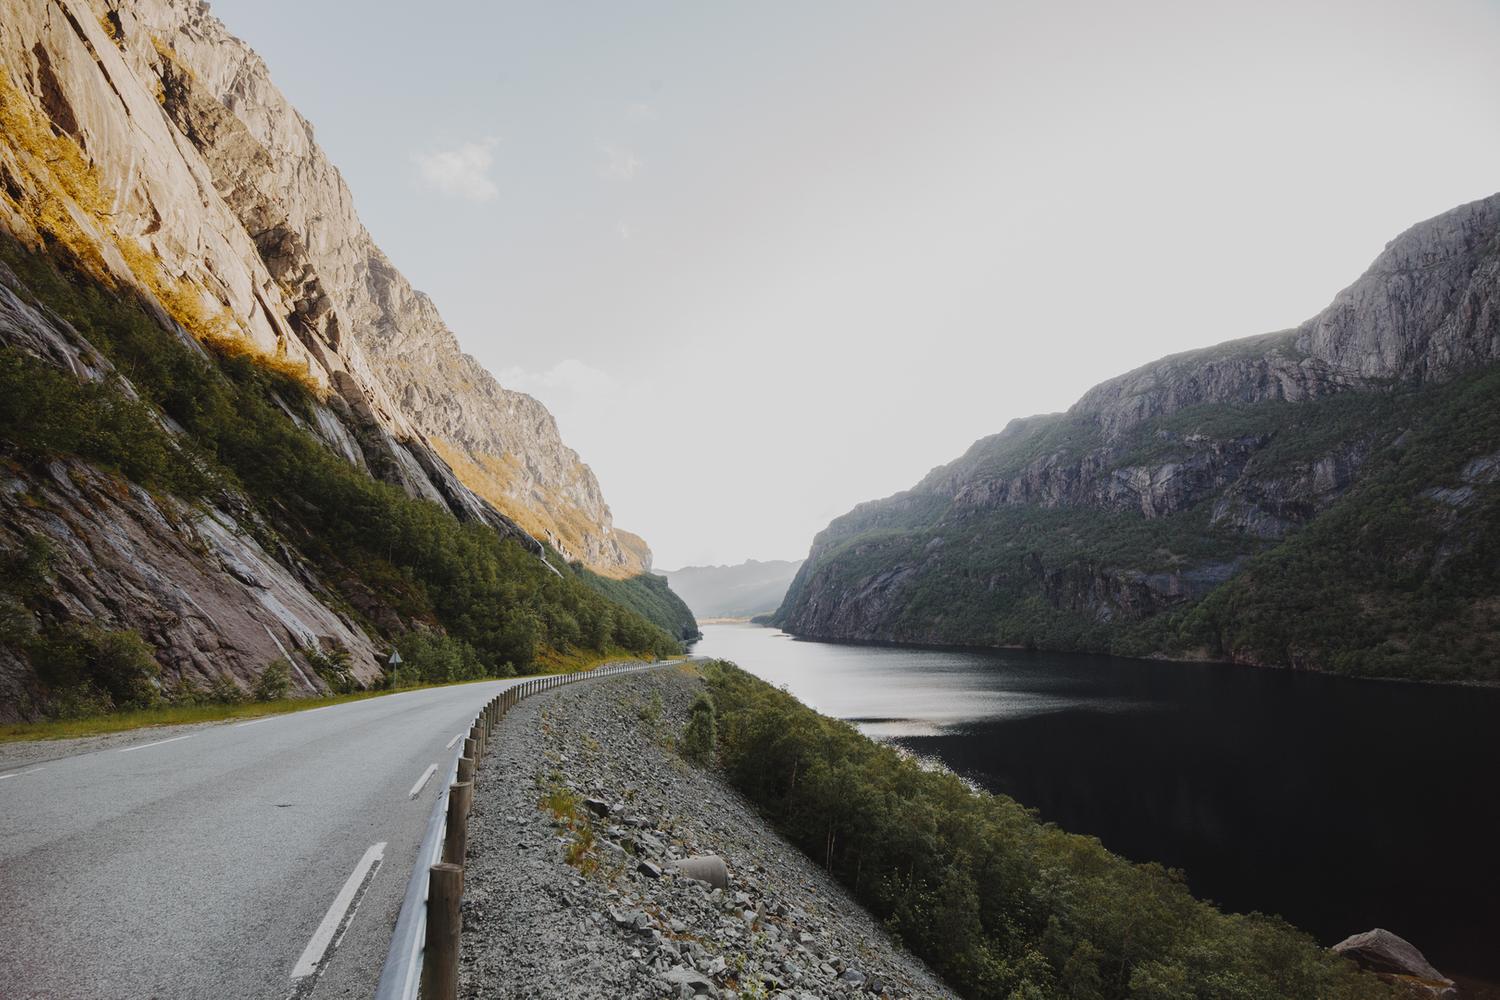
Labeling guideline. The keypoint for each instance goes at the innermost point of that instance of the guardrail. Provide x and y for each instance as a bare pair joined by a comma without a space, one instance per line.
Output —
422,960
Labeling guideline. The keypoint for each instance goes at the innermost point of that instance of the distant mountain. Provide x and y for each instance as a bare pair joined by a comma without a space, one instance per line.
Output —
1327,497
751,588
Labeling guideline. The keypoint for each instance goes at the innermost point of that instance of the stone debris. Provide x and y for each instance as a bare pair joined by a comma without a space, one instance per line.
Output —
1396,960
598,907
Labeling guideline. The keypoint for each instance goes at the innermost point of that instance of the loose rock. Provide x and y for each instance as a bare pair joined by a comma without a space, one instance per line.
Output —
624,920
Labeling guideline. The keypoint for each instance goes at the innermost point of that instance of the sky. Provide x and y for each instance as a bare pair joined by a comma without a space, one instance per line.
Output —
765,261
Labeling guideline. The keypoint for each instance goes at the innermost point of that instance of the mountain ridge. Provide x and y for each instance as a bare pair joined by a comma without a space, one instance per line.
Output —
1109,525
742,590
314,287
174,240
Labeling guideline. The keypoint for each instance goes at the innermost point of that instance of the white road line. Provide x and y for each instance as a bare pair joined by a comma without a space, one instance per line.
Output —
422,781
312,955
158,743
263,718
453,741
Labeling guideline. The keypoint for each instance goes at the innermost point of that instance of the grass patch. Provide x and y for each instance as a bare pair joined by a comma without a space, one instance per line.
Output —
573,661
181,715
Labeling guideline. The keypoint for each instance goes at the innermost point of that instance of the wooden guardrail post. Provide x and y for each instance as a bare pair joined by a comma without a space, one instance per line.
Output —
445,889
477,736
466,769
456,838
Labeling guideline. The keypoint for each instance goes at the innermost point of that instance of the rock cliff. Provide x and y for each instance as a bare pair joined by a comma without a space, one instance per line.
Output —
202,173
1109,526
145,151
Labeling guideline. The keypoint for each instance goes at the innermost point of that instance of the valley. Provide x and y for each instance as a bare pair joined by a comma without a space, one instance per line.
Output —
326,670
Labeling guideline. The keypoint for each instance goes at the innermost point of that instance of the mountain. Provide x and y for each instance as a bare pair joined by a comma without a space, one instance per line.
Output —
1326,497
751,588
185,280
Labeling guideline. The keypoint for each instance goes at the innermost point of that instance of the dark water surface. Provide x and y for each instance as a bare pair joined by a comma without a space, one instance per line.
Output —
1340,804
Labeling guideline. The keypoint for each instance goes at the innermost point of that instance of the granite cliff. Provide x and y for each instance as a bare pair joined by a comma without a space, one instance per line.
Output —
1321,497
146,154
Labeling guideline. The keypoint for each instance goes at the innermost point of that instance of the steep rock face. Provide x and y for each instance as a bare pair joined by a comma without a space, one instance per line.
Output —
195,584
1160,485
145,146
192,580
503,445
201,184
1425,310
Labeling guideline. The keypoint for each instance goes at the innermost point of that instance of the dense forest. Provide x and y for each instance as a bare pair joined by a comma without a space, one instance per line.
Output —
459,598
999,903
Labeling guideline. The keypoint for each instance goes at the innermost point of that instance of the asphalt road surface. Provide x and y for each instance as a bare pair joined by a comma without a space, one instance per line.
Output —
256,859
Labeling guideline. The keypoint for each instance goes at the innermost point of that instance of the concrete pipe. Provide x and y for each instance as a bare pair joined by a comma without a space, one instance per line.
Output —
708,868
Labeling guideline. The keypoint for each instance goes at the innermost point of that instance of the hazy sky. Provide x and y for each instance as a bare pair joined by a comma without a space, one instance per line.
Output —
767,260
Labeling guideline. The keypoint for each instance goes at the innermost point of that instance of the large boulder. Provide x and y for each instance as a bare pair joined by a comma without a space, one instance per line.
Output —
1396,960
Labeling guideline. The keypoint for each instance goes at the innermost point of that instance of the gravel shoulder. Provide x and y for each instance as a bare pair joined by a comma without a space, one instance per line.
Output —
17,754
570,888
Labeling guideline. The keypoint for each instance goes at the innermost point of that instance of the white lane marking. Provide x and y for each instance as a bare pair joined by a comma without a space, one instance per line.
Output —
158,743
453,742
422,781
263,718
312,955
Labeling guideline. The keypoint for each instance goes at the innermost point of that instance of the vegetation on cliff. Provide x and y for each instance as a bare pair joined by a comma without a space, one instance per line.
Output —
391,562
1392,573
648,595
1002,905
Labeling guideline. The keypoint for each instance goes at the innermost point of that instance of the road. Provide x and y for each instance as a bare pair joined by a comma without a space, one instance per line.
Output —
222,861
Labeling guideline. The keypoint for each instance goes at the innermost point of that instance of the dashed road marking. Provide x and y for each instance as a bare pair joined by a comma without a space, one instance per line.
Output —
142,746
422,781
454,741
340,914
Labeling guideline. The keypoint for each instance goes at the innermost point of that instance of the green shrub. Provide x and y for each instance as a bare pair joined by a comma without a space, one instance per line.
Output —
81,664
274,682
434,658
333,666
223,690
702,730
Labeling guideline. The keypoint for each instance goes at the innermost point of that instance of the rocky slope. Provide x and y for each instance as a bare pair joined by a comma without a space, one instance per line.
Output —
204,176
148,163
584,773
1321,497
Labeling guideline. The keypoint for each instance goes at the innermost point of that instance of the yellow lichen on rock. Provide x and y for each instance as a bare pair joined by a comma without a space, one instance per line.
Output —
65,201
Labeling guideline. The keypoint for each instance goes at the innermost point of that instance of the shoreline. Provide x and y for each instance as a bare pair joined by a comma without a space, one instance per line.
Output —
960,647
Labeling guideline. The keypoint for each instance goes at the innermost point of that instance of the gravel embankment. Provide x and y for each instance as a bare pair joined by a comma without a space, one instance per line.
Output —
617,922
28,753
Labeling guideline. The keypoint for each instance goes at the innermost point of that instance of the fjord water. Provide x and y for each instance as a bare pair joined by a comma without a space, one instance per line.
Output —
1339,804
